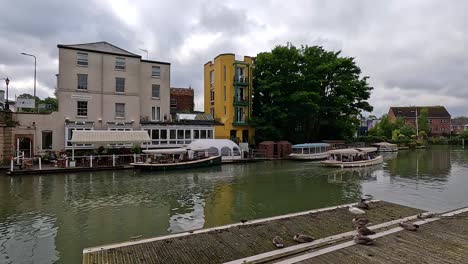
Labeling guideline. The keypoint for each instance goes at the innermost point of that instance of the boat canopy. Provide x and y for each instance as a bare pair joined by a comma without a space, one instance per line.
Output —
223,147
165,151
384,144
311,145
352,151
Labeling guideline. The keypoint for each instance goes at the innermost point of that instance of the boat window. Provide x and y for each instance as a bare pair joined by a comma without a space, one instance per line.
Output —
236,151
172,134
297,150
203,134
306,151
225,151
187,134
196,134
213,151
180,134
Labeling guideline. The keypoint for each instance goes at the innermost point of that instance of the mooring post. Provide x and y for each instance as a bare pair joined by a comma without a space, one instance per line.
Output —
134,158
40,163
91,161
12,164
113,160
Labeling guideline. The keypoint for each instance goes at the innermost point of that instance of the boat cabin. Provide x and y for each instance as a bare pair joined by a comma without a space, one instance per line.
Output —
310,148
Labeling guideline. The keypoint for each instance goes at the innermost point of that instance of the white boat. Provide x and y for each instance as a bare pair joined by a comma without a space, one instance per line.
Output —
386,147
352,157
310,151
177,159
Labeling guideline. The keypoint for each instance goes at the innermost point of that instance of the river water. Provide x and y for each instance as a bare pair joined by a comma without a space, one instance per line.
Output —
51,218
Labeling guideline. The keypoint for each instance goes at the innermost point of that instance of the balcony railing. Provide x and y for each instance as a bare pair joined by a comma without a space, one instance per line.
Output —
239,100
241,80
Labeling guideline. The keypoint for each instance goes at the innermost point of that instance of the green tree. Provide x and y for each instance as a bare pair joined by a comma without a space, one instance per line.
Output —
50,102
423,121
308,93
407,130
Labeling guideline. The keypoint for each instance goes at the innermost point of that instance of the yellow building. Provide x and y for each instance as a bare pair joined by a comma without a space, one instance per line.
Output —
228,96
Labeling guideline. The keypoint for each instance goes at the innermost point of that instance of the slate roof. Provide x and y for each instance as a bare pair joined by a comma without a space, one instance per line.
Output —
102,46
409,111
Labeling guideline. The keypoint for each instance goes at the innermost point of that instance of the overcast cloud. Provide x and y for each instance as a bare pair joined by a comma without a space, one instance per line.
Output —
415,52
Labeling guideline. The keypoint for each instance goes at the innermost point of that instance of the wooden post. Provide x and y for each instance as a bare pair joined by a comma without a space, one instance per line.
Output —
11,165
73,151
113,160
91,161
40,163
134,158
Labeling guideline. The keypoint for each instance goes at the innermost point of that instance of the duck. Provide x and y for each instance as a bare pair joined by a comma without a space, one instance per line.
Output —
363,240
278,242
362,230
355,210
360,221
425,215
409,226
303,238
362,204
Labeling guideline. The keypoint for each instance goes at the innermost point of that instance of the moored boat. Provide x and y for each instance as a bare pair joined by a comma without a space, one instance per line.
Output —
352,157
177,159
386,147
310,151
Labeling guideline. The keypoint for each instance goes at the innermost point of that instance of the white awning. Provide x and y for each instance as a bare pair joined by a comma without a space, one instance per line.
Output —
109,137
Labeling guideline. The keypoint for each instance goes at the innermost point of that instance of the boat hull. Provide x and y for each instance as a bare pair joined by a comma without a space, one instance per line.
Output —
211,161
353,164
316,156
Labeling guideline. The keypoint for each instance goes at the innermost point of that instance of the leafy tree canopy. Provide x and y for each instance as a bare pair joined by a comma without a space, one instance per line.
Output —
307,93
50,103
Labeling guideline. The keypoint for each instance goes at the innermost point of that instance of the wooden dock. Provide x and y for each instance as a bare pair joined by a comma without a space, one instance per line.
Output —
249,240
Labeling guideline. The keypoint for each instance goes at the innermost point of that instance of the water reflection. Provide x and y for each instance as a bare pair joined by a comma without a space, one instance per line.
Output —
51,218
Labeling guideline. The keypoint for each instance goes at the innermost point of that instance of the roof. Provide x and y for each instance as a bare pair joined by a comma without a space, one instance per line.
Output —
102,47
460,121
106,136
352,150
199,117
385,144
409,111
311,145
182,91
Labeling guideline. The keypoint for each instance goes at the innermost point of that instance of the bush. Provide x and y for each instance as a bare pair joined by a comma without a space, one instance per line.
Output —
438,141
136,149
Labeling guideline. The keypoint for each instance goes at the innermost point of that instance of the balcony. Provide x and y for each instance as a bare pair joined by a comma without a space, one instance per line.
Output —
238,100
241,122
241,80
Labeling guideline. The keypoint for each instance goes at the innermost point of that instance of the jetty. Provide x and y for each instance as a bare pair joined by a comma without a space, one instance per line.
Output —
443,236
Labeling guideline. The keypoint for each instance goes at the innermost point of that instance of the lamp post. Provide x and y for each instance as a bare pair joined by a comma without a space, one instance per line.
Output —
35,63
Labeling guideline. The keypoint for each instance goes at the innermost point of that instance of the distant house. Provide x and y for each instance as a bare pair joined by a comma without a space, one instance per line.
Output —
182,101
459,124
438,116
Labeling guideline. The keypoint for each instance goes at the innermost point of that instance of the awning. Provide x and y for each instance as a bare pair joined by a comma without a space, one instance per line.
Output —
108,137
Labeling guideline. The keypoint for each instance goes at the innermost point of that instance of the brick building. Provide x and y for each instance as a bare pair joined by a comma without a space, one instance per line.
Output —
459,124
438,117
182,100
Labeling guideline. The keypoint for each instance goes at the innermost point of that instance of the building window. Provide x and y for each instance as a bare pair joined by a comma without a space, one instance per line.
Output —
82,82
212,95
210,133
119,110
156,72
224,73
155,90
211,77
240,74
430,121
224,110
82,108
156,113
120,85
69,135
120,63
82,59
173,103
225,93
212,112
46,139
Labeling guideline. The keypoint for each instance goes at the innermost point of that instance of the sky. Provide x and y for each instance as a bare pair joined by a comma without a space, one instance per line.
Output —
415,52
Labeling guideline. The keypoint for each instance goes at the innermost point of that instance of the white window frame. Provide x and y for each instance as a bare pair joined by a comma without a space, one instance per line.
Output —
120,64
155,71
82,59
78,109
118,112
78,82
121,86
212,77
152,91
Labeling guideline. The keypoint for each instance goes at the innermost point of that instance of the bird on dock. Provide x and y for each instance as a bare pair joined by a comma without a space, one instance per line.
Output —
362,204
243,221
303,238
425,215
362,230
360,221
278,242
363,240
409,226
355,210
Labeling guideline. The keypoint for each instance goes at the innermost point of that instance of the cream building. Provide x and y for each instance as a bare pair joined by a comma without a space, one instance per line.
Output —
99,87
